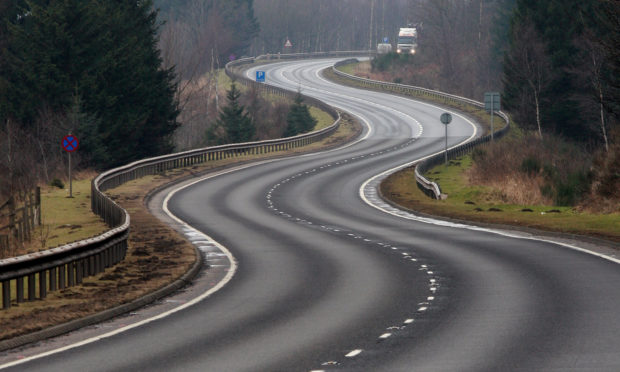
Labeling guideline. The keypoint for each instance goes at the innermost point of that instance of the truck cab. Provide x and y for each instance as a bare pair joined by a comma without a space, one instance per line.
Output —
407,42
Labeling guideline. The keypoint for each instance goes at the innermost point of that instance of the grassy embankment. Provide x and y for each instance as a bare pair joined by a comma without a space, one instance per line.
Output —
474,202
157,255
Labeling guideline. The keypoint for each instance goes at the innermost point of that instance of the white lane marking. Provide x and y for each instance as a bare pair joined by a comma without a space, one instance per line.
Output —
408,321
353,98
385,335
423,308
187,228
430,298
230,273
406,215
353,353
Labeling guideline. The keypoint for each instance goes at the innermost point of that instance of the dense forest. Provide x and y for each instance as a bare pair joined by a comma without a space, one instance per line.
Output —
139,79
91,68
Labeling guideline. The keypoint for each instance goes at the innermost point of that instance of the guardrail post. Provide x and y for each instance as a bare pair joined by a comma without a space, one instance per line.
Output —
79,271
19,289
61,277
43,284
71,271
6,294
31,287
53,274
91,266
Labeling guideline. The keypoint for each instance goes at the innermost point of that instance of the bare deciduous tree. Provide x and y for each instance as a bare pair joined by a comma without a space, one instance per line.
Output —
529,63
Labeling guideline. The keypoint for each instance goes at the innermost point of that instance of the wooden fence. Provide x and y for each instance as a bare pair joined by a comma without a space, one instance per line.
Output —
19,219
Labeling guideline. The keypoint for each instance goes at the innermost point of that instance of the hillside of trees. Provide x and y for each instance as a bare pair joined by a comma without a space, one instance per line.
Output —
139,79
557,66
91,68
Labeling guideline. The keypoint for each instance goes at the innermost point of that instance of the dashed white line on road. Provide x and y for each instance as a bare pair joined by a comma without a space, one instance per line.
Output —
385,335
353,353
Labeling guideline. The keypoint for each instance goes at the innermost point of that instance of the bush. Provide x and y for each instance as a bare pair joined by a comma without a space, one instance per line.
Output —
570,191
530,165
57,183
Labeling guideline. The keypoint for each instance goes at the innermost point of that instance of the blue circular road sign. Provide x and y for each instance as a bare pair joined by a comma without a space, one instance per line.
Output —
70,143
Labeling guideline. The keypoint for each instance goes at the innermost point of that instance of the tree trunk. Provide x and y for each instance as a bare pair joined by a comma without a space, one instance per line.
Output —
600,91
538,113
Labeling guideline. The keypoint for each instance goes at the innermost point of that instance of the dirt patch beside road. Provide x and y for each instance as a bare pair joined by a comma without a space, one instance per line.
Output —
157,255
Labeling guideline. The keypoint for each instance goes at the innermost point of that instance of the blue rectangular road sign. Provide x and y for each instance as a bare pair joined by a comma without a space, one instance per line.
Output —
260,76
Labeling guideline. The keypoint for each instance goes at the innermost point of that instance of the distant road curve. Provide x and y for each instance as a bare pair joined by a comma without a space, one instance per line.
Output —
327,282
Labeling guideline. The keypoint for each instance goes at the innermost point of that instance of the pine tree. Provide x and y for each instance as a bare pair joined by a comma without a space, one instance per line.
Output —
105,50
299,119
236,123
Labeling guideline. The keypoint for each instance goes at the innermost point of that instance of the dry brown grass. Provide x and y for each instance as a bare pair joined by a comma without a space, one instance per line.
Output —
522,167
157,255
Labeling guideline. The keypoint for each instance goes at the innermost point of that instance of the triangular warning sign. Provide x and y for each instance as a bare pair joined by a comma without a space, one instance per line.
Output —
288,44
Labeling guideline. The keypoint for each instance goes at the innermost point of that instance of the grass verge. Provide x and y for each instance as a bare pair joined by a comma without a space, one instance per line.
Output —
482,204
63,219
156,256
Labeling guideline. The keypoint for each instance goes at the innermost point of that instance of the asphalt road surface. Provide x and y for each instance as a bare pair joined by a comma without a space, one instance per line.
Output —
324,281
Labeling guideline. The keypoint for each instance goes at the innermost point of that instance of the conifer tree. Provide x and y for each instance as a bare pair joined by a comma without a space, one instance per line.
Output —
105,50
299,119
235,122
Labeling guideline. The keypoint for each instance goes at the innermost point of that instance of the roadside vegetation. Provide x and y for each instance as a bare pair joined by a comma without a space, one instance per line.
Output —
157,254
559,169
468,201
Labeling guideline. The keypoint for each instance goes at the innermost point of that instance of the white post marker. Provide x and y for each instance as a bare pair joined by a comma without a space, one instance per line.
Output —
446,118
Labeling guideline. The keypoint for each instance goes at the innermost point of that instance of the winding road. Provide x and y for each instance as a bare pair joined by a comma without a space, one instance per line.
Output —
328,277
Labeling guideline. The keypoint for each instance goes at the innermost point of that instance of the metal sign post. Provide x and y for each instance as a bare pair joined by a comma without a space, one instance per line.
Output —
446,118
491,103
70,143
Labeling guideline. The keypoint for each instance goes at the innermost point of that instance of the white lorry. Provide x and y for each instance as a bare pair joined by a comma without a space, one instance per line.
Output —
407,40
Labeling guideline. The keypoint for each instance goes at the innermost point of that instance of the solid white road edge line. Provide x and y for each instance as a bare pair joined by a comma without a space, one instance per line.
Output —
432,221
217,287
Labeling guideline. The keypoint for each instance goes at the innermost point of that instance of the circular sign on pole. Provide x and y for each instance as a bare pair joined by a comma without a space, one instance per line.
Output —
446,118
70,143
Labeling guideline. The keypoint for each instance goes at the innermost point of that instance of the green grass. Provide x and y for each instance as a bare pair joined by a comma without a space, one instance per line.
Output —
63,219
69,219
324,119
479,203
349,68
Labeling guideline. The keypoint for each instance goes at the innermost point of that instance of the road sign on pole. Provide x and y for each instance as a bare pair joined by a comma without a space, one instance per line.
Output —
492,104
446,118
288,44
260,76
70,144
